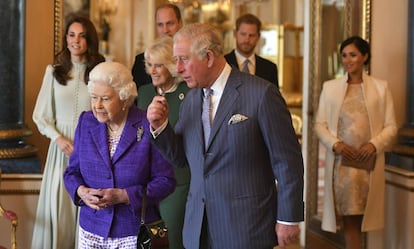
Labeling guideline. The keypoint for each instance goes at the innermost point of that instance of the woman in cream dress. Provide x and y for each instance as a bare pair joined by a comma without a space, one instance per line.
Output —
62,97
355,121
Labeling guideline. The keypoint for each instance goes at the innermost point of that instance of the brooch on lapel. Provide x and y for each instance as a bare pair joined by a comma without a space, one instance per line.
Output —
140,132
236,118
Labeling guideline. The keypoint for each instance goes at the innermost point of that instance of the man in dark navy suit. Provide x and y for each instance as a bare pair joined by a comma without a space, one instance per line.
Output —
168,22
247,34
235,134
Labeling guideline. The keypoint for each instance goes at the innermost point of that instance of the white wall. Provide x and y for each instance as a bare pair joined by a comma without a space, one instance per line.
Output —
389,49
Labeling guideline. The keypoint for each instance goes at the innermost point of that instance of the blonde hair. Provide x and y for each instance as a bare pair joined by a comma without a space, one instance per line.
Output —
162,51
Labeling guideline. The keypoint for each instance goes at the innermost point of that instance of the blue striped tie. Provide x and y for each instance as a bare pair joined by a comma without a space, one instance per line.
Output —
206,114
246,66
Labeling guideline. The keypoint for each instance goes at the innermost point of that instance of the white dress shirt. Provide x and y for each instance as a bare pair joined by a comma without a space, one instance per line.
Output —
252,62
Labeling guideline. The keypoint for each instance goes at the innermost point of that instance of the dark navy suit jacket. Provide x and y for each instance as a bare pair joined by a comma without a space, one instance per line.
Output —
138,71
264,68
233,181
135,164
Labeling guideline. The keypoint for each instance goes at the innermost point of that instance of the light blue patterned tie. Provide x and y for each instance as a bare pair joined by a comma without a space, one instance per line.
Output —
206,114
246,66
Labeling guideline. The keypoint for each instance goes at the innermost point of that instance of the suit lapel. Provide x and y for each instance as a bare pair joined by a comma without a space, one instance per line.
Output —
197,105
231,59
258,66
230,94
261,69
129,135
101,141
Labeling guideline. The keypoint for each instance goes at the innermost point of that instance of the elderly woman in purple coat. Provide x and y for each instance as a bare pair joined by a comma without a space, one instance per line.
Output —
113,162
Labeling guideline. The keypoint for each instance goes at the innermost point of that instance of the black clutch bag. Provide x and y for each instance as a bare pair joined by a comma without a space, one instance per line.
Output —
152,235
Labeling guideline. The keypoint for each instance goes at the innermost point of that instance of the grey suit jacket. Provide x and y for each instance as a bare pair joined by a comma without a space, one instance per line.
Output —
233,182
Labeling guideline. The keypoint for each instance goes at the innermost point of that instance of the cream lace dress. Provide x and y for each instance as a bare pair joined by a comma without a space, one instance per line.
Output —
56,114
351,185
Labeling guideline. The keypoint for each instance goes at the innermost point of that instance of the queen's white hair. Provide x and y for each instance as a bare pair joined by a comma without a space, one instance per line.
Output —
117,76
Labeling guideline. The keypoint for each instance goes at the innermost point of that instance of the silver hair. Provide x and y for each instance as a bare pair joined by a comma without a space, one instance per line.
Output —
203,37
117,76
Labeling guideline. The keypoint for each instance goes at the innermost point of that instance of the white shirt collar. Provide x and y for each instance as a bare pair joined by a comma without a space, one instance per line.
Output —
218,87
220,83
240,59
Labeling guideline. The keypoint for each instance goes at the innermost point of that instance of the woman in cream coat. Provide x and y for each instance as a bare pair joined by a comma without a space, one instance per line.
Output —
379,120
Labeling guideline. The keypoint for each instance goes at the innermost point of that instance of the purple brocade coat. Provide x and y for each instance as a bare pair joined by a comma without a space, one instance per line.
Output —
135,164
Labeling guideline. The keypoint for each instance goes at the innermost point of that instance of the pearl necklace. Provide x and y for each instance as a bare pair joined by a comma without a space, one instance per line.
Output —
117,132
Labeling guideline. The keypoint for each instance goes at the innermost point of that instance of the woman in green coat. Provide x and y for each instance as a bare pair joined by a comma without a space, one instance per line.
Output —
160,65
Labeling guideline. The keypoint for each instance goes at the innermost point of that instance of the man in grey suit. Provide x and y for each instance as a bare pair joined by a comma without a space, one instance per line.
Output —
233,202
247,34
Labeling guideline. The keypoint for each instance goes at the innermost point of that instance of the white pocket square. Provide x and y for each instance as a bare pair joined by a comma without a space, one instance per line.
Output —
236,118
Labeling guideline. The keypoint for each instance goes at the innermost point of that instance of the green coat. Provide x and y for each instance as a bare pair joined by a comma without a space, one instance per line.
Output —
172,208
147,92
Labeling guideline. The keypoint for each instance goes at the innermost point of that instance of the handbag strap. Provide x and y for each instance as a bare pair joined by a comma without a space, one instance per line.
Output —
144,203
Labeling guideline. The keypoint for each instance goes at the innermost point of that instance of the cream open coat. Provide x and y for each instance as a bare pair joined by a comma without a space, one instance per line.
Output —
383,128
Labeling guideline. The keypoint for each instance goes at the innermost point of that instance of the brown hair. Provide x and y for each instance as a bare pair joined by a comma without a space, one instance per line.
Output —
249,19
63,63
169,6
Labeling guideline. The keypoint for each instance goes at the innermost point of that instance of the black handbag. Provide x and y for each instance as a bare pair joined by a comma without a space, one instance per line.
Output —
153,235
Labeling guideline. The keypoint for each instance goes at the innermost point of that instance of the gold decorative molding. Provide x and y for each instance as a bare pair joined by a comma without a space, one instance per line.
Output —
25,151
366,20
400,178
293,99
403,148
16,133
17,152
19,191
406,132
400,172
58,13
20,184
